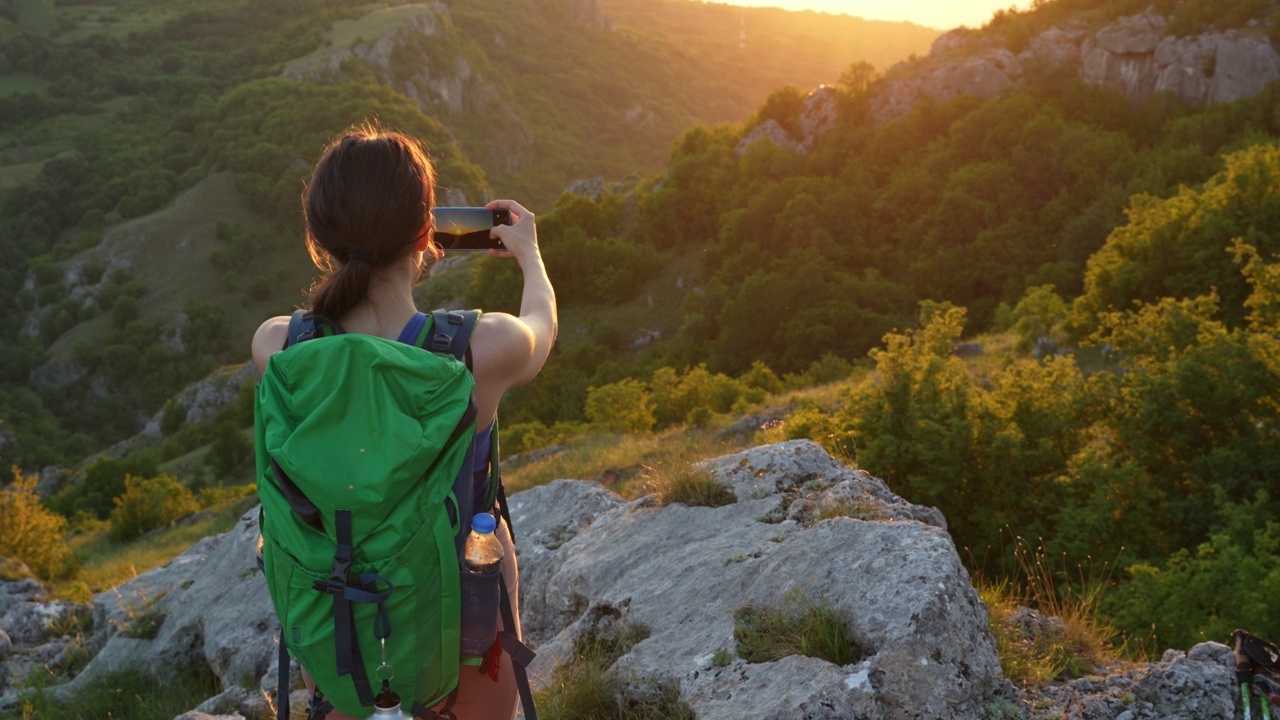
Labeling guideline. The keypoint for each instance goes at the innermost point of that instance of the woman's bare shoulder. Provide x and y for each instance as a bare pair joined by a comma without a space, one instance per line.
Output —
269,339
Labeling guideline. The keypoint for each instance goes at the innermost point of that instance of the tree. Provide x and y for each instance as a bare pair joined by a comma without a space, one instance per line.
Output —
230,451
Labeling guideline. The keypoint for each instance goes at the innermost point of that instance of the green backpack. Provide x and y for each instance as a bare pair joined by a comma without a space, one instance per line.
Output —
365,462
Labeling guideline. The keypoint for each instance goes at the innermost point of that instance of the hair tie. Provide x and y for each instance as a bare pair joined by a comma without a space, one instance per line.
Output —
364,255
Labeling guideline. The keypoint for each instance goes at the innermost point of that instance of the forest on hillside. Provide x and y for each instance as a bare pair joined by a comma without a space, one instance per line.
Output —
1132,251
111,119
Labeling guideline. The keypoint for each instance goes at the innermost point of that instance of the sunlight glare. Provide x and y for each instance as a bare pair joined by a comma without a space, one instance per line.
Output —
941,14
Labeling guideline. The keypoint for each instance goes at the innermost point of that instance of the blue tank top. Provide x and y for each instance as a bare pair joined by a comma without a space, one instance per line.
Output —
409,336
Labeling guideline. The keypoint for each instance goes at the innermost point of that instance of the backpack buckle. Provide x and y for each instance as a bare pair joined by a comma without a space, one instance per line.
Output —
337,582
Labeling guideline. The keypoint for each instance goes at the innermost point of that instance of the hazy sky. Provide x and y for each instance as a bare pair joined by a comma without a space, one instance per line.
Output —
941,14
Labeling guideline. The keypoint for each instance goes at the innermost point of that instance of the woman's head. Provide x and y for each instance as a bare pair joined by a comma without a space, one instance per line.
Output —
368,206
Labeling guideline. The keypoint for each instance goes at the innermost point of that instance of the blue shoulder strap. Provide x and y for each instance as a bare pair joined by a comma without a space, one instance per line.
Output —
305,325
451,333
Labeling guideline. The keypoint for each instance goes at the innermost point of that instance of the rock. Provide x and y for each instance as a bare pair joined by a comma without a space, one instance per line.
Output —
1199,683
982,75
441,82
767,130
212,607
1133,54
203,399
1054,47
592,563
13,592
818,114
545,519
898,584
31,622
1195,685
592,188
1243,66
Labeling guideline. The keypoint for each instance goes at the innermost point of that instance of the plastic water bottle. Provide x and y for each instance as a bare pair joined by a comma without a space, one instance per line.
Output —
481,568
482,553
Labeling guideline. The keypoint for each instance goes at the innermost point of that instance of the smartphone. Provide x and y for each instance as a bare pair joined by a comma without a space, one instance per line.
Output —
467,228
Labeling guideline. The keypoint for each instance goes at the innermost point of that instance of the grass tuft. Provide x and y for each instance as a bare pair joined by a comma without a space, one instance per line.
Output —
687,485
797,627
587,688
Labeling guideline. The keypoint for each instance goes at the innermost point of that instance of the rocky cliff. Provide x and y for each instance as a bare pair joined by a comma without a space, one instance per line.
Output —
801,524
1134,54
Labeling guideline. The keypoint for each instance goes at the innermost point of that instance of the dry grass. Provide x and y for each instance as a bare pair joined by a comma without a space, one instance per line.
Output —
1064,637
687,485
630,465
105,564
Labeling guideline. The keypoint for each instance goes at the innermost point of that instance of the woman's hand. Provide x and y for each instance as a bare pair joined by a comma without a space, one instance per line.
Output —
520,237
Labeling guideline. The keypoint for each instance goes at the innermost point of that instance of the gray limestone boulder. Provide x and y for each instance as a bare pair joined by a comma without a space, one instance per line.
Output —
1199,683
681,573
13,592
31,622
208,606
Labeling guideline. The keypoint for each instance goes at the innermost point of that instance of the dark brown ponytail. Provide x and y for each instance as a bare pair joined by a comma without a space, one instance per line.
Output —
368,202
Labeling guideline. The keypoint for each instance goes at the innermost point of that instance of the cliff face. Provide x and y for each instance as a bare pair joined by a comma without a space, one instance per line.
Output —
1134,54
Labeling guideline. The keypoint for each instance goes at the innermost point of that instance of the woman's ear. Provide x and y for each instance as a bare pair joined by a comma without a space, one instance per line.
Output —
424,239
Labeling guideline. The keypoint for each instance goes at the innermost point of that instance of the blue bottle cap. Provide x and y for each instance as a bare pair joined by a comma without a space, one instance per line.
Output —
483,523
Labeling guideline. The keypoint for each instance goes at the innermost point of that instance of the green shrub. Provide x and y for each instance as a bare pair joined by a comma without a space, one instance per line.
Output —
624,406
149,503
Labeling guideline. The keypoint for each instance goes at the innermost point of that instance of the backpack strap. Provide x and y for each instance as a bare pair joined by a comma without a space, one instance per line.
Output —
451,333
344,592
519,653
307,325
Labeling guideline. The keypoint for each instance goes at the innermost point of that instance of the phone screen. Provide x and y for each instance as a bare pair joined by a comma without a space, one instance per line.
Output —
467,228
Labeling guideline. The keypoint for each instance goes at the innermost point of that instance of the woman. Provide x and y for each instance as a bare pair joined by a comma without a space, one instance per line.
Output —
368,226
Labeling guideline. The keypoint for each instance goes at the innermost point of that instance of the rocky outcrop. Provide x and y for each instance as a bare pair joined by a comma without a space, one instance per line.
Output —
803,525
886,567
817,115
202,400
427,83
1133,54
1195,685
